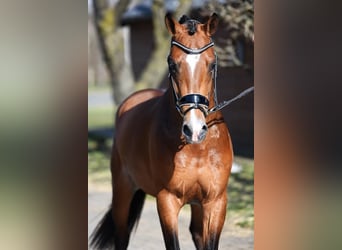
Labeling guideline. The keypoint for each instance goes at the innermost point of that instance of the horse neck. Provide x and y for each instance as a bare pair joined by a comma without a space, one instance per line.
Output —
169,104
212,95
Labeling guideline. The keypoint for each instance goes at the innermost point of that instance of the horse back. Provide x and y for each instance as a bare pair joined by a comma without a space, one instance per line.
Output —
136,99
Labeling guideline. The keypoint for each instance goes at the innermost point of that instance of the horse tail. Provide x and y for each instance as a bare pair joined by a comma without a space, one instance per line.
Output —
103,237
136,207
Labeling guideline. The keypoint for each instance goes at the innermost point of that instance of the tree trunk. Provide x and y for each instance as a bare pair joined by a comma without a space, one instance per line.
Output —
156,68
112,39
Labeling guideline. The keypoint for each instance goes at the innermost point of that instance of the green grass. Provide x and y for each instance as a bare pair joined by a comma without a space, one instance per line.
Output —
101,117
98,168
98,161
100,88
241,194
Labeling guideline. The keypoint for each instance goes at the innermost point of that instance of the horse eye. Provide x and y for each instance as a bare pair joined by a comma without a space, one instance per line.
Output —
212,66
172,66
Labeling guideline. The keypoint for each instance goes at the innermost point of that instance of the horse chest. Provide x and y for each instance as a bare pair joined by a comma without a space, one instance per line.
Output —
199,178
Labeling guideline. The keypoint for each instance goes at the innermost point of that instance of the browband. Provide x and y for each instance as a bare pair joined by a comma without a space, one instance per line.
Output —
192,51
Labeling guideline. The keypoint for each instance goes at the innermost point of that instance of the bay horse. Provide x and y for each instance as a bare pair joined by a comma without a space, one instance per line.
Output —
173,145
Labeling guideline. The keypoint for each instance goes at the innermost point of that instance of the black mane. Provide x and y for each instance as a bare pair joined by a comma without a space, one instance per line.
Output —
191,24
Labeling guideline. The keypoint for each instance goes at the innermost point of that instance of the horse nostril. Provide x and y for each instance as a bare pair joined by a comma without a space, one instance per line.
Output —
187,131
203,132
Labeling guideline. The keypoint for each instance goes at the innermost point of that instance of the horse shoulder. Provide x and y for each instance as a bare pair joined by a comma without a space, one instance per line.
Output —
137,98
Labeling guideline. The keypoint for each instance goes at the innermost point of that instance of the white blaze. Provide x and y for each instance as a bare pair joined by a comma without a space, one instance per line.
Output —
195,119
192,61
196,123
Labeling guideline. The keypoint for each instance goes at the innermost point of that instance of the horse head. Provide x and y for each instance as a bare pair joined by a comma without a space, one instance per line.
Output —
192,69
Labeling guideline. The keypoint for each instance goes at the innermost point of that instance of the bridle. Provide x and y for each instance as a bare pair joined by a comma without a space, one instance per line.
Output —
194,101
198,101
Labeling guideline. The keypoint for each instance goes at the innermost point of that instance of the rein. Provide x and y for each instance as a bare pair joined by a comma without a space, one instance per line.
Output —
197,101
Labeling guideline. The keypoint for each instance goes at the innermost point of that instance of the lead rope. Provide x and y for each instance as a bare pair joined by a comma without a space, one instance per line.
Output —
226,103
223,104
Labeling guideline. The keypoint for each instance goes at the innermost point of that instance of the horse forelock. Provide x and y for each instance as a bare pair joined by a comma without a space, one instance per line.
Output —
190,24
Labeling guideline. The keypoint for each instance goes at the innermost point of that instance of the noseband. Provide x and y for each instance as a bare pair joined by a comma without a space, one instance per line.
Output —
197,101
194,101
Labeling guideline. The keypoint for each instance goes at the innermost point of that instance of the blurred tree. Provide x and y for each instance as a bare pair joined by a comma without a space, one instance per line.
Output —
112,44
238,17
156,68
114,49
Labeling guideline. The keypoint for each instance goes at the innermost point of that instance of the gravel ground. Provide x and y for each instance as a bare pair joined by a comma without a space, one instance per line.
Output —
148,235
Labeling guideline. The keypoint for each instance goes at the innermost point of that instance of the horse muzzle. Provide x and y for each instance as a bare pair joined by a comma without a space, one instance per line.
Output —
194,128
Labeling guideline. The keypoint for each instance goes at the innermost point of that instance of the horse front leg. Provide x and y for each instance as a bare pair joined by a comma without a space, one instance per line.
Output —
168,208
214,214
196,225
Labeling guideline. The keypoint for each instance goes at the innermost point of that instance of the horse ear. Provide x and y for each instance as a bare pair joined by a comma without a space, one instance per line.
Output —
170,23
210,26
